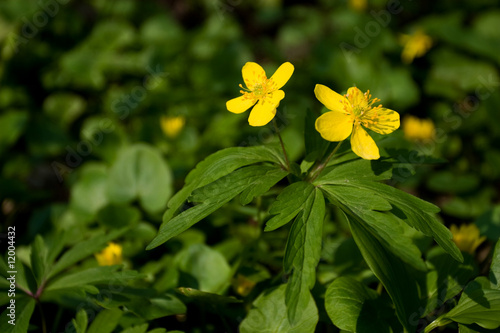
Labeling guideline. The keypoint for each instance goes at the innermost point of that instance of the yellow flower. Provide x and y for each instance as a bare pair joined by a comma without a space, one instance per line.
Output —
348,113
172,126
261,90
467,237
417,129
111,255
414,46
358,5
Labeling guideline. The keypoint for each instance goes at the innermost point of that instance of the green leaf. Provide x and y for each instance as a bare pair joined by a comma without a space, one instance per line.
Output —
118,216
136,329
64,108
357,170
446,277
204,297
262,185
495,267
92,276
269,315
477,306
417,213
288,204
489,223
356,308
81,321
156,307
140,172
83,250
12,124
24,307
302,254
38,259
106,321
390,270
373,210
215,195
207,266
218,165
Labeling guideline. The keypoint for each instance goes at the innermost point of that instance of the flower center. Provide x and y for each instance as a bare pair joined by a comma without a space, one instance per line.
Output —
360,107
259,90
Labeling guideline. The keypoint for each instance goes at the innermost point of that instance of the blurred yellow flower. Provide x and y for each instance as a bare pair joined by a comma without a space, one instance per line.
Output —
243,285
261,90
348,114
358,5
414,46
111,255
417,129
172,126
467,237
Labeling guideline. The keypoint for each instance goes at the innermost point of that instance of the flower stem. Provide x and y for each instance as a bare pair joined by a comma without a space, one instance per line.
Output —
317,171
282,145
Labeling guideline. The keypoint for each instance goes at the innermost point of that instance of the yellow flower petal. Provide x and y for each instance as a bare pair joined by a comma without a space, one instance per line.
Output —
363,145
265,110
329,98
239,104
381,120
334,126
282,75
253,74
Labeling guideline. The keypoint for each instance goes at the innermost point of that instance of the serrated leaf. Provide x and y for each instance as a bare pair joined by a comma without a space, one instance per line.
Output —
416,212
374,212
262,185
356,308
357,170
302,254
83,250
390,270
24,307
288,204
219,165
106,321
269,315
212,197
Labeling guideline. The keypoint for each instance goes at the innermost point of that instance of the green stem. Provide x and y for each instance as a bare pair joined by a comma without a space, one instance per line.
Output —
44,324
436,323
317,171
282,145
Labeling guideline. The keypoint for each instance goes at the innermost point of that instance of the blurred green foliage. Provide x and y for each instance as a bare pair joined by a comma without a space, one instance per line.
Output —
83,159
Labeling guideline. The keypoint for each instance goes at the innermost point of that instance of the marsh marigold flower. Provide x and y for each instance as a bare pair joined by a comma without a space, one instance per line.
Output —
414,46
111,255
417,129
467,237
172,126
349,114
260,91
